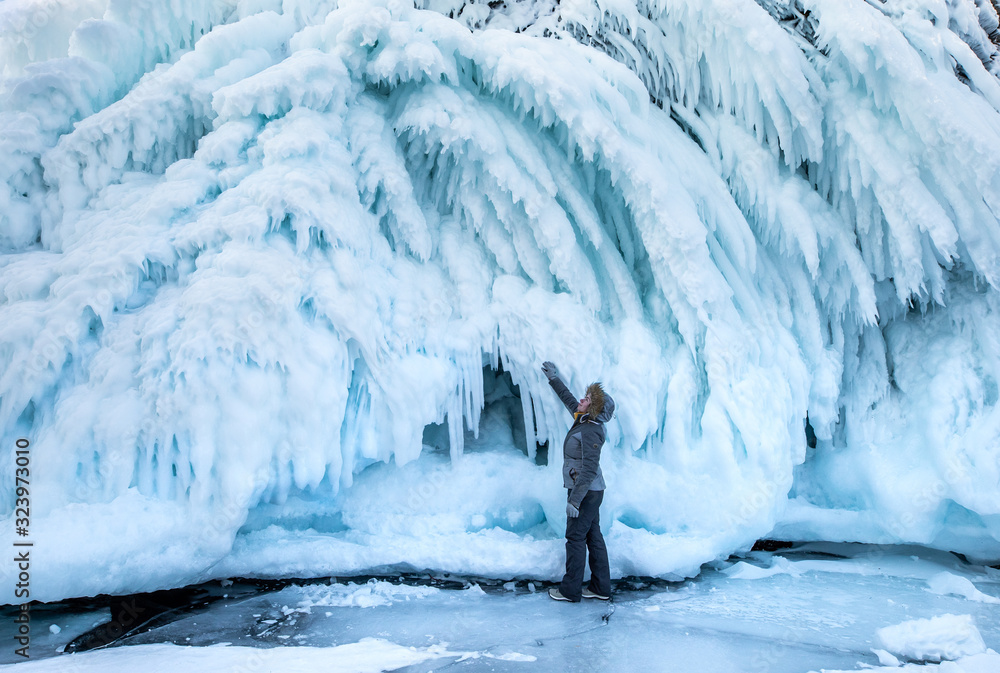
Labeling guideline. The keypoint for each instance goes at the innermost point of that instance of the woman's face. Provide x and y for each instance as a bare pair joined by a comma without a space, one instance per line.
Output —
584,404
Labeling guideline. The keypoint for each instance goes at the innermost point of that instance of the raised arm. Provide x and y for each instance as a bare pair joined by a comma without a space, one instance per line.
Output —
562,391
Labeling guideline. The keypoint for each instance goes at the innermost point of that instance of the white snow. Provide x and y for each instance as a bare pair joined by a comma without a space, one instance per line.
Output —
946,583
979,663
369,655
886,658
261,264
364,596
945,637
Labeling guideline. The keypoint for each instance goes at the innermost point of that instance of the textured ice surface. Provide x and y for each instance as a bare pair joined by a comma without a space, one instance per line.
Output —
826,614
277,277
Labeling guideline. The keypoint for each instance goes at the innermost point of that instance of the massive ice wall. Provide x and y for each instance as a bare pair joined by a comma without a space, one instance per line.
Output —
278,277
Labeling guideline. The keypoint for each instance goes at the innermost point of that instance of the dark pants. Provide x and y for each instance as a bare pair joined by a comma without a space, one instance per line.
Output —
582,534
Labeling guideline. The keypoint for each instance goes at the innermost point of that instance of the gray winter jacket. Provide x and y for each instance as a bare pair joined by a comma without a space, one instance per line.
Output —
582,446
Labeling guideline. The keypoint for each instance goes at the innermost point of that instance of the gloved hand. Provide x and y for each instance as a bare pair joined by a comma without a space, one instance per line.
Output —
571,511
550,370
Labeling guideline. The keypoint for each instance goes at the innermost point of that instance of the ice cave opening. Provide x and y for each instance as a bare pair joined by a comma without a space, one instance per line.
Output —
501,421
418,493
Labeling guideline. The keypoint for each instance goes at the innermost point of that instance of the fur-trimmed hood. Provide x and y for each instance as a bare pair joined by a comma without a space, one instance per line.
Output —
602,405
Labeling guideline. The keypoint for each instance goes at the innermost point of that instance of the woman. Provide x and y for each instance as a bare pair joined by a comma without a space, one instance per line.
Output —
585,486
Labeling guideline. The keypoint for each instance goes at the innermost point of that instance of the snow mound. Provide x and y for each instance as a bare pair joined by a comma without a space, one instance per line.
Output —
942,638
371,594
747,571
946,583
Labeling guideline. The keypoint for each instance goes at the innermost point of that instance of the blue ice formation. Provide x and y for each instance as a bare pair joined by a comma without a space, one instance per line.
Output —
277,278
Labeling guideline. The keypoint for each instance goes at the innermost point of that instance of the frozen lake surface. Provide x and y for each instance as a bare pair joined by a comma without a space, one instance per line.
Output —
809,608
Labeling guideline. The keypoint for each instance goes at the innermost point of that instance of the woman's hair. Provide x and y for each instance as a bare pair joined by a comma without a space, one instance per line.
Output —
596,393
